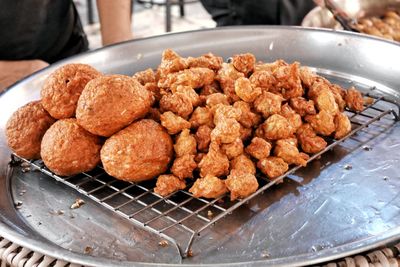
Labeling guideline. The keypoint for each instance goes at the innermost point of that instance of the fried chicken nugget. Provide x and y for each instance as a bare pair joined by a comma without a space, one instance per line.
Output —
25,129
354,99
263,79
215,99
184,166
185,144
308,139
210,89
193,77
208,60
248,118
286,149
62,89
288,80
109,103
69,149
302,106
322,123
170,62
273,167
168,184
269,67
201,116
226,77
343,125
268,104
222,112
189,92
244,164
178,103
226,131
209,187
233,149
307,76
244,63
203,137
139,152
245,133
245,91
259,148
173,123
277,127
241,184
215,163
293,118
145,76
325,100
339,93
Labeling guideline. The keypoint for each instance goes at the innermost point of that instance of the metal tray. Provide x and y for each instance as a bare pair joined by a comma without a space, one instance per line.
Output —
325,211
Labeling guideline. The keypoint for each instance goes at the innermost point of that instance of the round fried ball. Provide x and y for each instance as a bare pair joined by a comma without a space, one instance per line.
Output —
139,152
109,103
62,89
25,129
68,149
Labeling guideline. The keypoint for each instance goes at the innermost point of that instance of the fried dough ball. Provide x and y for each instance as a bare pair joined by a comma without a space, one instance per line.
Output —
343,125
25,129
270,67
145,76
208,60
325,100
302,106
68,149
286,149
210,89
288,79
109,103
209,187
277,127
241,184
215,163
178,103
168,184
247,118
322,123
62,89
233,149
245,91
227,76
223,112
193,77
268,104
354,99
244,164
273,167
189,92
307,77
308,139
259,148
226,131
184,166
201,116
171,62
339,93
293,118
203,137
215,99
154,90
245,133
262,79
244,62
185,144
139,152
173,123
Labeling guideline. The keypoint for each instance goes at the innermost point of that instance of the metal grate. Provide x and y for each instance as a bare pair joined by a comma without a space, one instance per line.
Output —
179,217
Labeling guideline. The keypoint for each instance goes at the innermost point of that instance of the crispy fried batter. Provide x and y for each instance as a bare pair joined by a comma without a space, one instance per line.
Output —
288,80
354,99
193,77
227,76
214,163
185,144
226,131
307,77
201,116
208,60
268,104
210,89
286,149
322,123
259,148
173,123
302,106
244,164
245,133
189,92
293,118
277,127
241,184
244,62
233,149
145,76
170,62
223,112
245,91
203,137
167,184
270,67
184,166
248,119
178,103
262,79
308,139
325,100
154,90
209,187
343,125
154,114
273,167
215,99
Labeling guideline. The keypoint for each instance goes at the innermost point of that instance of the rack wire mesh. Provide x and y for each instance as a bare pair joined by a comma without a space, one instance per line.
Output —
179,217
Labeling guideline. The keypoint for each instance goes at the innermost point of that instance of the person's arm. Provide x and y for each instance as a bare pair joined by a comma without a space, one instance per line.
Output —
12,71
115,20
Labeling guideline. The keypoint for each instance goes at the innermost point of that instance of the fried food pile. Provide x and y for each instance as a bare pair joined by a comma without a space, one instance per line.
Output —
191,118
387,26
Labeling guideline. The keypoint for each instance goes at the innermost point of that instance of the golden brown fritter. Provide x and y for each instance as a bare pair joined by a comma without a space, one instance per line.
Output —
288,80
178,103
273,167
209,187
259,148
215,99
168,184
233,149
184,166
307,77
245,133
154,114
343,125
25,129
268,104
241,184
145,76
62,89
210,89
244,164
322,123
193,77
354,99
208,60
277,127
222,112
173,123
308,139
203,137
245,91
270,67
68,149
325,100
109,103
185,144
339,93
170,62
262,79
226,131
286,149
226,77
247,118
293,118
154,90
201,116
139,152
215,163
302,106
244,63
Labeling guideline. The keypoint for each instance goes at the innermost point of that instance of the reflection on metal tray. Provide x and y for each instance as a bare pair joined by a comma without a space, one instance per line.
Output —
181,209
